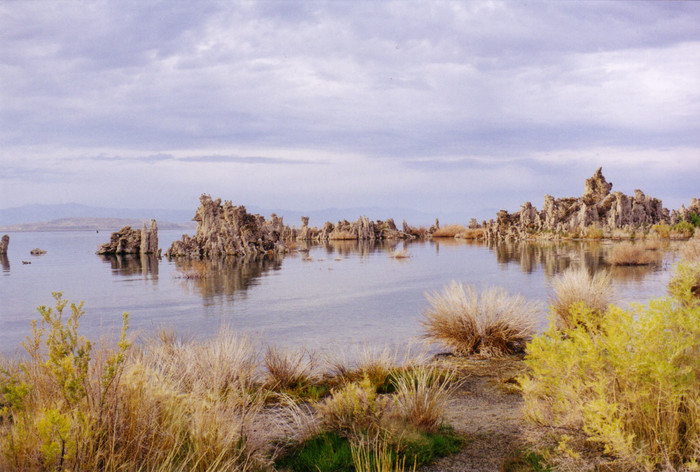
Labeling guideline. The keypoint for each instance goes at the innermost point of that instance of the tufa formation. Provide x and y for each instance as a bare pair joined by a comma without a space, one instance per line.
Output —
132,241
597,207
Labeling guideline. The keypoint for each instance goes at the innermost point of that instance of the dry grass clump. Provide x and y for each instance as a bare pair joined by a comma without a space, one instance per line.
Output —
418,403
286,369
342,235
399,254
374,363
594,232
492,323
691,250
474,233
422,395
576,286
630,254
449,231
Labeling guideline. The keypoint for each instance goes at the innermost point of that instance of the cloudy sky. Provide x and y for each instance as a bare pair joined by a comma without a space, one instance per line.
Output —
444,107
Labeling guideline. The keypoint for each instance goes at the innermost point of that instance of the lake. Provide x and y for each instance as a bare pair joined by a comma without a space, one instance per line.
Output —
324,297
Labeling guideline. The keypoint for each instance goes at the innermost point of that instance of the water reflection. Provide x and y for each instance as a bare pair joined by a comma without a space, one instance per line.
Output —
554,257
4,262
224,276
133,264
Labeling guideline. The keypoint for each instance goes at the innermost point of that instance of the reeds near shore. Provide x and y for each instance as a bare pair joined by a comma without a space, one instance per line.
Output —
630,254
449,231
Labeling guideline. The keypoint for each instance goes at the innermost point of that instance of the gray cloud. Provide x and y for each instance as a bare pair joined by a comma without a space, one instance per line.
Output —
436,87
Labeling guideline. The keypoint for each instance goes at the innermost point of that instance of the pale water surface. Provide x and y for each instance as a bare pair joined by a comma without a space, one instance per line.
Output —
323,297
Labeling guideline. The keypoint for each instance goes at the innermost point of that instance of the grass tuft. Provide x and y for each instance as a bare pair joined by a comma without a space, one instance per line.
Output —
572,287
630,254
492,323
449,231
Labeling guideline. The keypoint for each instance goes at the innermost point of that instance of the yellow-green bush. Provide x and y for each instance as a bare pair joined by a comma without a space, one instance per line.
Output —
628,380
662,230
682,230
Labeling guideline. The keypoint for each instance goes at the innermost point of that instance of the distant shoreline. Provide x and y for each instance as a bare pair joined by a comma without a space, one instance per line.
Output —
90,224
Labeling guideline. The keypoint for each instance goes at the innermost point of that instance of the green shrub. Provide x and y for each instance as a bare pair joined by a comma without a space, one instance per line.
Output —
628,381
682,230
694,218
662,230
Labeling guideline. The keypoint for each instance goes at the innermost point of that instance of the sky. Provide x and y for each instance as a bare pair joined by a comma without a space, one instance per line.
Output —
444,107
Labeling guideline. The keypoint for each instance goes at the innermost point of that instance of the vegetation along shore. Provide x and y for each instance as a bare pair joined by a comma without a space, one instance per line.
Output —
603,388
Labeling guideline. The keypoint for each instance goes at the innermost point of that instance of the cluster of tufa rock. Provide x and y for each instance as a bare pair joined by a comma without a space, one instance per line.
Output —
598,207
229,230
4,244
224,229
363,229
133,241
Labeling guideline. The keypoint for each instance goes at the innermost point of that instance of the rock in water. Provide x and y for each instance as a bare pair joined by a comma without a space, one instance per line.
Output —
149,238
228,230
37,252
4,243
124,241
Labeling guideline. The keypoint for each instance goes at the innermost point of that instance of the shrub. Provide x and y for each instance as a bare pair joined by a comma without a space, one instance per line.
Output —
594,232
354,408
630,254
491,324
169,406
577,286
694,219
628,381
662,230
682,230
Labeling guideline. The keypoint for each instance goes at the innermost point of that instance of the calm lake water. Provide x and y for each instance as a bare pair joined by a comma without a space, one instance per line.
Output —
323,297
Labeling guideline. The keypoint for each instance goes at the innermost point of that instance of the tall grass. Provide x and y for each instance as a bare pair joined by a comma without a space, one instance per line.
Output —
492,323
449,231
628,381
576,286
691,250
286,369
167,406
422,395
630,254
374,454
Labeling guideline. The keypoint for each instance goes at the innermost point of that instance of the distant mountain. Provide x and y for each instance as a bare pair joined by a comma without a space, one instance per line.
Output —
92,224
67,216
44,213
319,217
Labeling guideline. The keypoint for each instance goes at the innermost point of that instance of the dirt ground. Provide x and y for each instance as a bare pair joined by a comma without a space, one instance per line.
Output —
487,410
